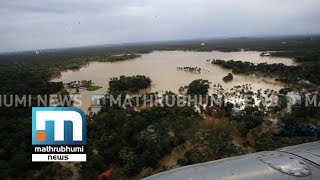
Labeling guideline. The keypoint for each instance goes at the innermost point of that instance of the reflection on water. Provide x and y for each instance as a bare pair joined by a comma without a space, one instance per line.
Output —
161,67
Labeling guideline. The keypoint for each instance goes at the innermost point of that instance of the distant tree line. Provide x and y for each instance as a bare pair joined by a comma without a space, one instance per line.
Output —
289,74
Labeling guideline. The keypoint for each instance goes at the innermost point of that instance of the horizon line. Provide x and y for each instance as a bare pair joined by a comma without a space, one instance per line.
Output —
156,41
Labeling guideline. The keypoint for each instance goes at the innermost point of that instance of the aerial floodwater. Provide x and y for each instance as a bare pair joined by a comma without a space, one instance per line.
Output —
162,68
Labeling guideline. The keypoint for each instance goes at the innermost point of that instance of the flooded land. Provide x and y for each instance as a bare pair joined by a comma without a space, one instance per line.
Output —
163,69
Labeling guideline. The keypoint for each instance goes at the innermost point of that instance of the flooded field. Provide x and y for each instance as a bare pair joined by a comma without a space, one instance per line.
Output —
161,67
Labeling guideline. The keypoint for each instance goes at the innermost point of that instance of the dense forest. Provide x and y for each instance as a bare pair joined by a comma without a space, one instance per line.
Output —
125,138
134,140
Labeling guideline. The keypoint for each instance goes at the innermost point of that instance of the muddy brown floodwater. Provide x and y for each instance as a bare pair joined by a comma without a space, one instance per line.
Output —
161,67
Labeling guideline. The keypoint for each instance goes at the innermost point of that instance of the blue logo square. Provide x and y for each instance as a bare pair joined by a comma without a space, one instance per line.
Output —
58,126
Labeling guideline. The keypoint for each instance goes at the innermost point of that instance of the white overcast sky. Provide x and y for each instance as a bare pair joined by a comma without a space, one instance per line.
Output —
40,24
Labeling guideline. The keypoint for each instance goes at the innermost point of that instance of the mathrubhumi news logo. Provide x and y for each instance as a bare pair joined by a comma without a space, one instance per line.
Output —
58,134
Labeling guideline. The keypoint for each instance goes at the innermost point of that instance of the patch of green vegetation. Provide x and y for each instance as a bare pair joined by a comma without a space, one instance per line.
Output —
93,88
130,84
123,57
198,87
251,118
55,170
299,126
209,145
269,141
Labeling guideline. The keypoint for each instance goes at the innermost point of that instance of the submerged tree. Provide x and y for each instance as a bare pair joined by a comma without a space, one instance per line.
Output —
228,77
